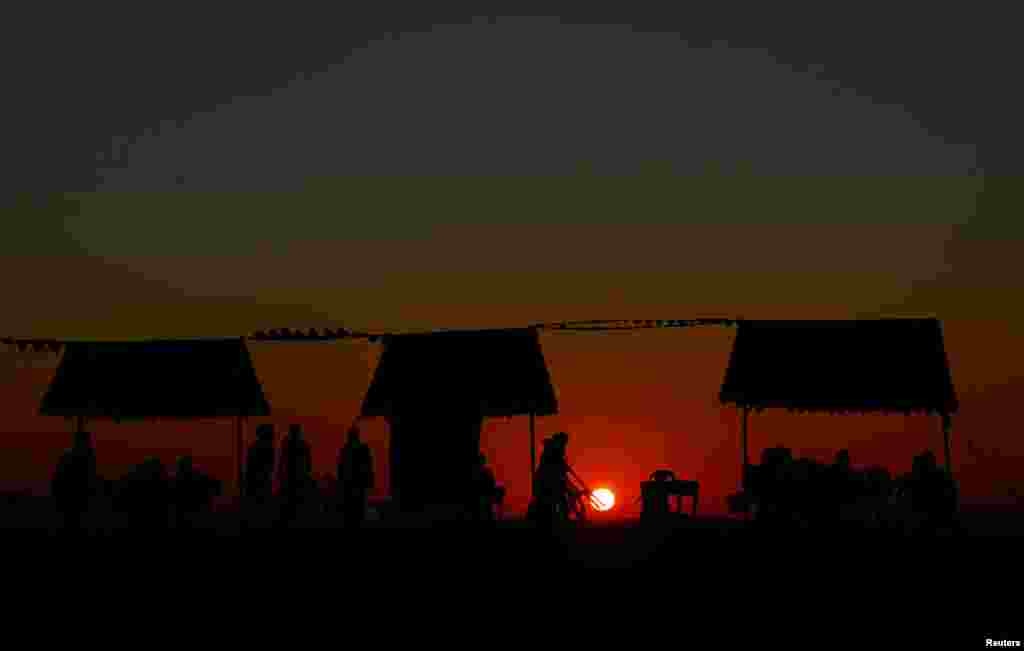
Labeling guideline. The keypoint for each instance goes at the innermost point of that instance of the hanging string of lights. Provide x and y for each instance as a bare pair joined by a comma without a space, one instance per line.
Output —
325,334
22,345
634,324
26,344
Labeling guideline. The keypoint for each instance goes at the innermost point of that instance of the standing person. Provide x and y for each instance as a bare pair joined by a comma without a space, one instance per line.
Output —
840,491
192,492
539,510
259,476
550,502
145,491
259,465
559,468
184,499
933,494
483,492
295,472
75,481
355,478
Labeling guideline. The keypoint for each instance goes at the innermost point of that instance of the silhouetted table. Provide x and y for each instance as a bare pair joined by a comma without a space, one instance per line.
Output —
661,492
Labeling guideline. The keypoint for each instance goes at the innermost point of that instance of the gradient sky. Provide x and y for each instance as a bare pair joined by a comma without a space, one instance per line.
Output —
216,174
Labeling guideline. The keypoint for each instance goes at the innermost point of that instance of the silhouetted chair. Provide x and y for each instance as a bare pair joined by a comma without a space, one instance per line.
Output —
657,493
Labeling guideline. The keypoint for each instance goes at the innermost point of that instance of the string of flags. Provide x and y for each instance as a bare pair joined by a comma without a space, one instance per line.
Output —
313,334
635,324
22,344
33,345
325,334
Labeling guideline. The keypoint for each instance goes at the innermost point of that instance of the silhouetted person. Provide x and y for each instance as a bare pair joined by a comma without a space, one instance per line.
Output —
75,481
841,490
259,466
355,478
551,490
801,497
877,491
541,508
145,495
931,492
842,461
295,473
483,492
192,492
771,486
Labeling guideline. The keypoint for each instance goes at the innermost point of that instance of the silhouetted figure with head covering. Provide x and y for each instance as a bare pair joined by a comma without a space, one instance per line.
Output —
541,508
355,478
259,466
295,473
551,489
75,481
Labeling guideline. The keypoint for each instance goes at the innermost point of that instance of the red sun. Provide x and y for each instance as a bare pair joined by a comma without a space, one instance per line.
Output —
602,499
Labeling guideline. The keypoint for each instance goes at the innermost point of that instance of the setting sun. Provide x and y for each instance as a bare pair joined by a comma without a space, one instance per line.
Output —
603,499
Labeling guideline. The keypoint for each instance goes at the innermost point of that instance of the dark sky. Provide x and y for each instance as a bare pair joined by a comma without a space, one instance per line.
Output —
184,122
183,172
83,76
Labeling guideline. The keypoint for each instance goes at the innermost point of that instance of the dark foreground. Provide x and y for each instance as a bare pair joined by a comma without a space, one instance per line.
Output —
595,544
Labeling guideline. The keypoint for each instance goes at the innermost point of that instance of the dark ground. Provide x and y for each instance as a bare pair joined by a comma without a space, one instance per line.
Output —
685,543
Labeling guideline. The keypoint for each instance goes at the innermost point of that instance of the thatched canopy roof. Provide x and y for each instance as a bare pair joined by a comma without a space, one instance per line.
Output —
498,372
202,378
884,365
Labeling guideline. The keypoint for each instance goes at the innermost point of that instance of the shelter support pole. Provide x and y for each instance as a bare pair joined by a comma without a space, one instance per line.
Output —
947,432
743,436
533,448
240,452
746,461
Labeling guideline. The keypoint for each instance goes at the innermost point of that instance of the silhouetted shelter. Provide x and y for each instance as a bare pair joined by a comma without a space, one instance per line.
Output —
860,366
163,378
435,389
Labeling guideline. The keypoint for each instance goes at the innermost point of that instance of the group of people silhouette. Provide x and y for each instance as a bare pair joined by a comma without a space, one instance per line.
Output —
148,498
298,488
787,492
146,495
781,492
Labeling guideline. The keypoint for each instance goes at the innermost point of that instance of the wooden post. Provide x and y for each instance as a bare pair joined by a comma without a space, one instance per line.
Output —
240,449
743,436
746,463
533,449
947,431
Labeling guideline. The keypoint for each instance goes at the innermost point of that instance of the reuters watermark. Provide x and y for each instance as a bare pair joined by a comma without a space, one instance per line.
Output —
989,643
